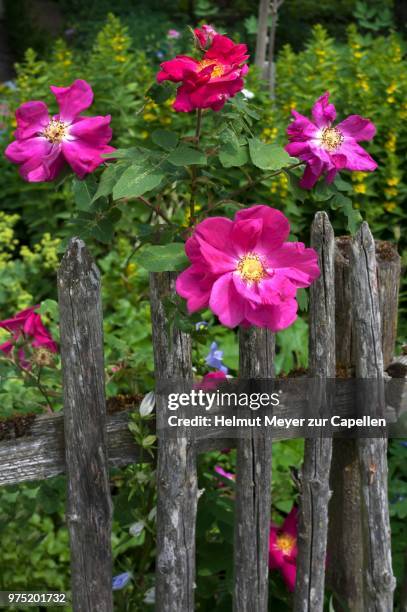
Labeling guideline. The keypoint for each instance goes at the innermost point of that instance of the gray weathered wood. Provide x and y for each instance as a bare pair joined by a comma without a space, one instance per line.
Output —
315,489
176,465
379,582
345,549
89,508
39,450
388,276
253,486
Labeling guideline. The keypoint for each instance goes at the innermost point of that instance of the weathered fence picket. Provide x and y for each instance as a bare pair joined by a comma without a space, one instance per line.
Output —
358,283
253,485
346,534
315,489
176,465
379,582
89,508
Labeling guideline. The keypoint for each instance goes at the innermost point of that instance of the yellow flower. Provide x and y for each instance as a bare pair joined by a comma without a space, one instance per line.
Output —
390,206
149,117
391,88
391,192
361,188
359,177
391,100
144,134
358,54
120,58
390,145
131,268
393,181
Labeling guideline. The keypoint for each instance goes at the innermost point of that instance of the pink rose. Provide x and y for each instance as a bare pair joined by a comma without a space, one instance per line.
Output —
245,271
210,82
283,549
204,35
326,148
45,143
27,326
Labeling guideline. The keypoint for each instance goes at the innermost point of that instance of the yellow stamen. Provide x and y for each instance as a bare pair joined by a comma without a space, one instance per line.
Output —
285,542
331,139
217,71
55,131
250,267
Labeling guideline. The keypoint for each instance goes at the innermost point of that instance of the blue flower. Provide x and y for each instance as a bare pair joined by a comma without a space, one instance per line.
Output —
404,443
214,358
201,325
120,581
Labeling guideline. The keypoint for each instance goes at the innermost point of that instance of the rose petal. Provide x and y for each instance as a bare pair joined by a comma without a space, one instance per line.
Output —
357,127
323,113
32,118
73,100
225,302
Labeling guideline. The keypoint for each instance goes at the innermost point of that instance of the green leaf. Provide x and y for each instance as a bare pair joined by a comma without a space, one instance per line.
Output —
130,153
160,92
231,153
323,191
268,156
49,307
339,201
148,441
298,192
342,185
108,180
137,180
83,192
230,157
186,156
104,229
165,139
302,299
165,258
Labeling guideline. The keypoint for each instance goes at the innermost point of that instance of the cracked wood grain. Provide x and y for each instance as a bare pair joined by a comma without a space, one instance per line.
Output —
315,489
345,542
176,465
89,508
253,485
379,582
39,451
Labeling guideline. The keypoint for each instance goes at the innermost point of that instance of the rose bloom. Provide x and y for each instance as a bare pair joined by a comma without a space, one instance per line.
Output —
283,549
211,81
204,35
328,148
44,143
27,326
245,271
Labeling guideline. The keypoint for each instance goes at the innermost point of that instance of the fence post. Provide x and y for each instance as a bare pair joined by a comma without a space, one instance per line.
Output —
176,465
89,510
379,582
315,490
253,486
345,542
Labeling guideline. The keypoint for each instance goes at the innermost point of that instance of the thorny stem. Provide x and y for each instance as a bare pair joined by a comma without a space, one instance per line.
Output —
238,192
156,209
194,169
36,380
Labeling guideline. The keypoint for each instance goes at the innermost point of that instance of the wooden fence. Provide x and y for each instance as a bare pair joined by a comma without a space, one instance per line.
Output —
353,313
